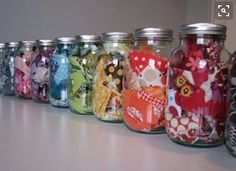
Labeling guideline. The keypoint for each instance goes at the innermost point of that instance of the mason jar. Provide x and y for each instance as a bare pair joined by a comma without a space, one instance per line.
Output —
8,68
2,53
58,88
145,80
22,69
40,71
81,70
197,87
108,76
230,130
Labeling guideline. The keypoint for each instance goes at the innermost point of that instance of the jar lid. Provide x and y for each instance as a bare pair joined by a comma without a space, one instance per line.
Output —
2,45
161,33
65,40
203,28
45,42
27,43
116,36
88,38
12,44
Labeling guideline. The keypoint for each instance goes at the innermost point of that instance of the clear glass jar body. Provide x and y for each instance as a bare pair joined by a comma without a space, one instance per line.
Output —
40,74
81,71
22,70
8,71
108,80
197,86
2,53
145,85
230,131
58,90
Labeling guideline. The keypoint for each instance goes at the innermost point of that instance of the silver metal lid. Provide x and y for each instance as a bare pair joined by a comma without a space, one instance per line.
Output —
12,44
45,42
27,43
116,36
161,33
2,45
88,38
65,40
203,29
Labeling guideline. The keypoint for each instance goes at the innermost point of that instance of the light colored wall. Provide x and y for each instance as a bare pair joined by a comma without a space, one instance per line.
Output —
34,19
198,11
230,42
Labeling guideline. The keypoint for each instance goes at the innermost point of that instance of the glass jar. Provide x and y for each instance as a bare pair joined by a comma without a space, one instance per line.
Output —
197,86
81,70
8,68
22,69
40,71
2,53
108,76
59,71
145,80
230,131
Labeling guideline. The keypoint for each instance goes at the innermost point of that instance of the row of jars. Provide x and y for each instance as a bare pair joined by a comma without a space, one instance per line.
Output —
131,78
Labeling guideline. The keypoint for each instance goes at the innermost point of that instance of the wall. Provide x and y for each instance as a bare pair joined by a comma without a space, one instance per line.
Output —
34,19
230,42
198,11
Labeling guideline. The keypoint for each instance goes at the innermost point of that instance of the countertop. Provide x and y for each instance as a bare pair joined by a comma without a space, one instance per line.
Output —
39,137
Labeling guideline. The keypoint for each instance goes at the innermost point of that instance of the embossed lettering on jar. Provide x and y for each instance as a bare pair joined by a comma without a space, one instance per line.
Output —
145,80
198,75
59,71
81,71
108,76
22,69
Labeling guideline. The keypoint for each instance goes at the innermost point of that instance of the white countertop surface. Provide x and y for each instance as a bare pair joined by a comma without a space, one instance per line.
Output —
39,137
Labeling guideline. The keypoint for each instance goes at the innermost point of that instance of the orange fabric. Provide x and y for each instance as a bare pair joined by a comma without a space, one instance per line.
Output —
150,120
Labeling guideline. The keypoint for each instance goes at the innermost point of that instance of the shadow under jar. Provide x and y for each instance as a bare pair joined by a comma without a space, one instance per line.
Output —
58,90
145,71
40,71
197,86
81,71
8,69
22,69
108,76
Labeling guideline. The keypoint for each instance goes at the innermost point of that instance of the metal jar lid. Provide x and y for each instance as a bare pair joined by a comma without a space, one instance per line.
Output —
27,43
45,42
159,33
2,45
12,44
88,38
116,36
65,40
203,29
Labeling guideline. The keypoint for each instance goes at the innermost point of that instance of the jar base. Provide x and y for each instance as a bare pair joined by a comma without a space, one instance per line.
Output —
8,94
22,97
109,121
231,152
80,113
59,106
40,101
158,131
197,145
